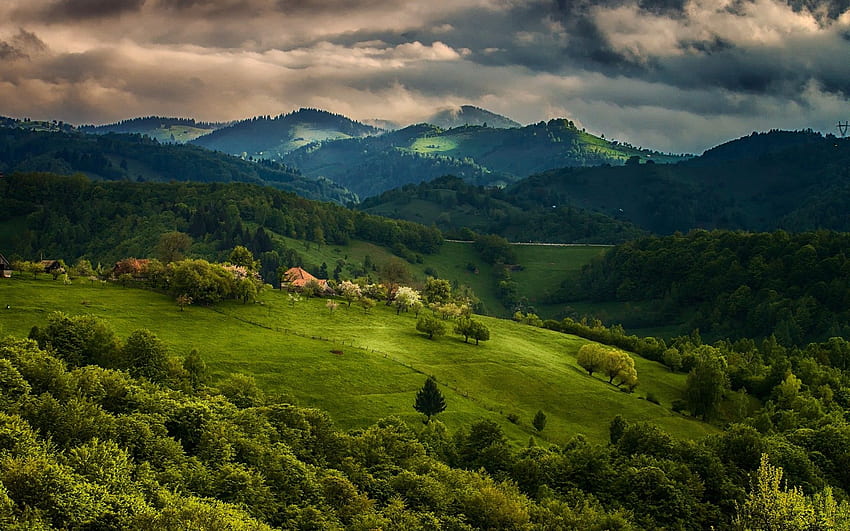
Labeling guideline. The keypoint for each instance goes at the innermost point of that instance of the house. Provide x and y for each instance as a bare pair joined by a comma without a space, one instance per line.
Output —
5,267
296,278
136,267
52,266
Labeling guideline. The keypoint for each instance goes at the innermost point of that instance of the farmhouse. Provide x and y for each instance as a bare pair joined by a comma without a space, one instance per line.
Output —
296,278
5,267
51,266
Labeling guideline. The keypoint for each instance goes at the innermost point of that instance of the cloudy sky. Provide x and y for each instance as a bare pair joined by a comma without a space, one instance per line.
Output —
675,75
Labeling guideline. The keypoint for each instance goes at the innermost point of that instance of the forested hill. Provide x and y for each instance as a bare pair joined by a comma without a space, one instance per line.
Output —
106,221
478,154
178,130
137,158
731,284
790,180
270,138
456,207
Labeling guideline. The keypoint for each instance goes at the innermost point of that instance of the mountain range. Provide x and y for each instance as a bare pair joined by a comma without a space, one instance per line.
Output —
546,181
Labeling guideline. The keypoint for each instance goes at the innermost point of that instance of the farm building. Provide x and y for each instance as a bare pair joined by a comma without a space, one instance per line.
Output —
296,278
5,267
52,266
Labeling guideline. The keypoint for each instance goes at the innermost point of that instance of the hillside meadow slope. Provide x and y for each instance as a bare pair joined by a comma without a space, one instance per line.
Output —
383,361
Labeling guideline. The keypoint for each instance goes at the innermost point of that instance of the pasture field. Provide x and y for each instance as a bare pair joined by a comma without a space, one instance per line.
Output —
383,361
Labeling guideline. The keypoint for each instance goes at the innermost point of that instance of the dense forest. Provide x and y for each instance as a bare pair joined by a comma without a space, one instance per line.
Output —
457,207
136,158
53,215
778,180
103,432
731,284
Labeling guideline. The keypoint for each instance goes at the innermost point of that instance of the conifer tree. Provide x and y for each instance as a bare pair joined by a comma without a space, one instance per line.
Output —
429,399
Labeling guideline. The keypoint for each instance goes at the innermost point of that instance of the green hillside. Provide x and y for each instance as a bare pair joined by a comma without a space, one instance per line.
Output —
453,205
383,361
789,180
123,157
264,137
162,129
480,155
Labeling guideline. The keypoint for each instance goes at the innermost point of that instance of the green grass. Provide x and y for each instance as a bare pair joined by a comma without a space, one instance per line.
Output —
545,267
383,361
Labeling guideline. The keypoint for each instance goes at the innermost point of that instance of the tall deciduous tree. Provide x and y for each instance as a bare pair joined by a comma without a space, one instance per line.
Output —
429,400
707,382
146,355
173,246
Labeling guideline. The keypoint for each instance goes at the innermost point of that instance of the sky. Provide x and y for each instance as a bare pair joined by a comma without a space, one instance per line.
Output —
673,75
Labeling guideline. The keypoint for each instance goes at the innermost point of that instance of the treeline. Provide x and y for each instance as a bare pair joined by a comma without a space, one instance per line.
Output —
147,123
777,180
105,221
731,284
121,157
460,207
102,432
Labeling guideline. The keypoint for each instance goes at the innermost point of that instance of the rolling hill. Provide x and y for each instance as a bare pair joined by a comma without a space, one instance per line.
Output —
453,205
480,155
122,157
264,137
163,129
383,360
790,180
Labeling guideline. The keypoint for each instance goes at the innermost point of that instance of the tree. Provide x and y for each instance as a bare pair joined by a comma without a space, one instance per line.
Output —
619,365
194,364
478,331
673,359
173,246
241,256
349,291
592,356
183,300
429,324
146,355
437,290
470,328
707,382
616,428
405,297
539,420
429,400
367,304
772,506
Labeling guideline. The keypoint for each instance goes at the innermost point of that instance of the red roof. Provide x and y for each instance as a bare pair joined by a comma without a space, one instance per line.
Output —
298,277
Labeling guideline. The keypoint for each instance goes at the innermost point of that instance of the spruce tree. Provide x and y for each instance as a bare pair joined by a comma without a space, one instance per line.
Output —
429,399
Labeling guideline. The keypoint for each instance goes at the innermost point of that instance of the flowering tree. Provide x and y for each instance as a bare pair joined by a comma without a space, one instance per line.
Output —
405,298
349,291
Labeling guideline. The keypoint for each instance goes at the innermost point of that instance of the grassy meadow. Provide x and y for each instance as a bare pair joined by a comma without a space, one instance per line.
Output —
383,360
544,267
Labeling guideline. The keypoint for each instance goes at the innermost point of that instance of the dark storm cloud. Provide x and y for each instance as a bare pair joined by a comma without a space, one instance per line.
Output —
21,46
672,74
64,10
333,6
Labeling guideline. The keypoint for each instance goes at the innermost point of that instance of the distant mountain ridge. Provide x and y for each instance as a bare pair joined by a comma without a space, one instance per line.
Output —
163,129
124,157
265,137
796,181
470,115
480,155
